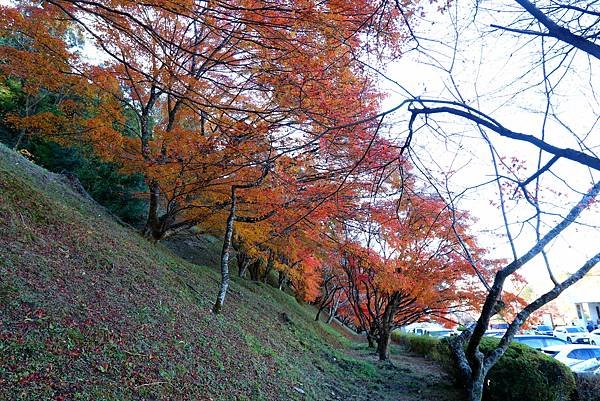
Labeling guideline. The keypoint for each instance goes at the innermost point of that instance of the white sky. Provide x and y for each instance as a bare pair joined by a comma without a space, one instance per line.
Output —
498,74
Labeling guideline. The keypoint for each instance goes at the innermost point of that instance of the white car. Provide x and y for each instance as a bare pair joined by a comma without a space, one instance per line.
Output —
595,337
572,355
572,334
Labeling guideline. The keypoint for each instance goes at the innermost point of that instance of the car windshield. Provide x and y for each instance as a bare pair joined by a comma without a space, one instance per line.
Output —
574,330
546,328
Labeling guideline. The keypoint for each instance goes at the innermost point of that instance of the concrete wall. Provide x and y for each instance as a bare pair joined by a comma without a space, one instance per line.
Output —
587,311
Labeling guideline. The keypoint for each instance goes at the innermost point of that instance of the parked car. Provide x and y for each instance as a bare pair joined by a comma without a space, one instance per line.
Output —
499,326
587,367
433,332
494,333
544,330
595,337
572,354
539,342
442,333
572,334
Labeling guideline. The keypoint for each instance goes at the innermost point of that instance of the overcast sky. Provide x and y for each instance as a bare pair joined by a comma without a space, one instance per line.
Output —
462,56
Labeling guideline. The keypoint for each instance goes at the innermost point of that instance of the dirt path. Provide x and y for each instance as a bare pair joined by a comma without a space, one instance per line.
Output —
409,377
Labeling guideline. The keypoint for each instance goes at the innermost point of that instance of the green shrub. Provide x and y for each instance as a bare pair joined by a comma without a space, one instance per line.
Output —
422,345
525,374
522,374
588,388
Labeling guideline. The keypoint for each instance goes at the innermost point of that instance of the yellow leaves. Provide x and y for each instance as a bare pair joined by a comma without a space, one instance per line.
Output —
27,154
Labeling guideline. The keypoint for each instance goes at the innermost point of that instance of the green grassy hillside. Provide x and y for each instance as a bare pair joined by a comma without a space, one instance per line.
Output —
89,310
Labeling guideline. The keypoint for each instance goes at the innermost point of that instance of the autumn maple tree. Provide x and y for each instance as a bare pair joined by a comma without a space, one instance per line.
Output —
249,120
407,265
205,83
48,98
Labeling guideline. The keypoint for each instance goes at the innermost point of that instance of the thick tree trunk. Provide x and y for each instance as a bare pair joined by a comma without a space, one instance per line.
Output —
382,344
475,388
152,228
225,256
471,370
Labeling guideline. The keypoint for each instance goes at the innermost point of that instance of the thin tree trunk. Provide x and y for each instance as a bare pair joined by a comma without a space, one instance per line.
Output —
225,255
19,139
321,309
22,131
243,268
227,239
242,259
254,269
333,309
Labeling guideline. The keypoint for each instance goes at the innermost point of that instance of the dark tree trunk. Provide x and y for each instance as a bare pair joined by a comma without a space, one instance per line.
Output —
371,338
321,309
254,269
324,302
242,261
383,340
22,131
243,268
152,228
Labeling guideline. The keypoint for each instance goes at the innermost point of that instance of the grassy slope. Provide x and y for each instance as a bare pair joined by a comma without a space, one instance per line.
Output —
91,311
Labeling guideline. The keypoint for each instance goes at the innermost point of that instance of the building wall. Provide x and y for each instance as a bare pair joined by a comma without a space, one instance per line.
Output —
587,311
594,312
